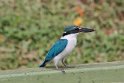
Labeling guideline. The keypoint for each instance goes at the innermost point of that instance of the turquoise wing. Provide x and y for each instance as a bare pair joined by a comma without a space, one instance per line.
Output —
57,48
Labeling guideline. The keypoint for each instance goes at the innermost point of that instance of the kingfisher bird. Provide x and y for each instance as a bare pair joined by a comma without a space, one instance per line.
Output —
60,50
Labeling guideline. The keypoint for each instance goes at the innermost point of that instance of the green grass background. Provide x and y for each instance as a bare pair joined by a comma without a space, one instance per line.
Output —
28,28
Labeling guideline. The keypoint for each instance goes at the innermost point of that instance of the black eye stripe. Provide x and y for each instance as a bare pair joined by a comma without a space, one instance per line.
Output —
77,29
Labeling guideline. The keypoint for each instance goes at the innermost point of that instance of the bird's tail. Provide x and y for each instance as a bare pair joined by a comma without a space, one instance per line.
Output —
43,63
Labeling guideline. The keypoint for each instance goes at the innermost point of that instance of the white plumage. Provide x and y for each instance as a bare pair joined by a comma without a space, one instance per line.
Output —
72,41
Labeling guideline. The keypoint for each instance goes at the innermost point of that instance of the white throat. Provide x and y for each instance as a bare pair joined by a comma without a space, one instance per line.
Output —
72,41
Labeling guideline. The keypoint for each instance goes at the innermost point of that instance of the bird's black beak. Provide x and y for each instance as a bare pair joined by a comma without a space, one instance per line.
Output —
86,30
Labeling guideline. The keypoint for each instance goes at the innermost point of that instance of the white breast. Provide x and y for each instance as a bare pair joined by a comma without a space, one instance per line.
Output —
72,40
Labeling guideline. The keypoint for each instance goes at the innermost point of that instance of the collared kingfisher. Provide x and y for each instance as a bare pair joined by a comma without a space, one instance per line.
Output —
60,50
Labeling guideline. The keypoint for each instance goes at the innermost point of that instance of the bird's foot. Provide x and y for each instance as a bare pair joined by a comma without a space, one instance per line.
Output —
60,69
63,71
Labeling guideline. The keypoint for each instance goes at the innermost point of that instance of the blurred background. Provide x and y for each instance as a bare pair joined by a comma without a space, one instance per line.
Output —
28,28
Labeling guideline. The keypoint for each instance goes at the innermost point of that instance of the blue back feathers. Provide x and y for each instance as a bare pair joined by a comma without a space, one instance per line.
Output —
57,48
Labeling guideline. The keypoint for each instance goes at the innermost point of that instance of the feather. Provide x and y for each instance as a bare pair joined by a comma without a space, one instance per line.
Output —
57,48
